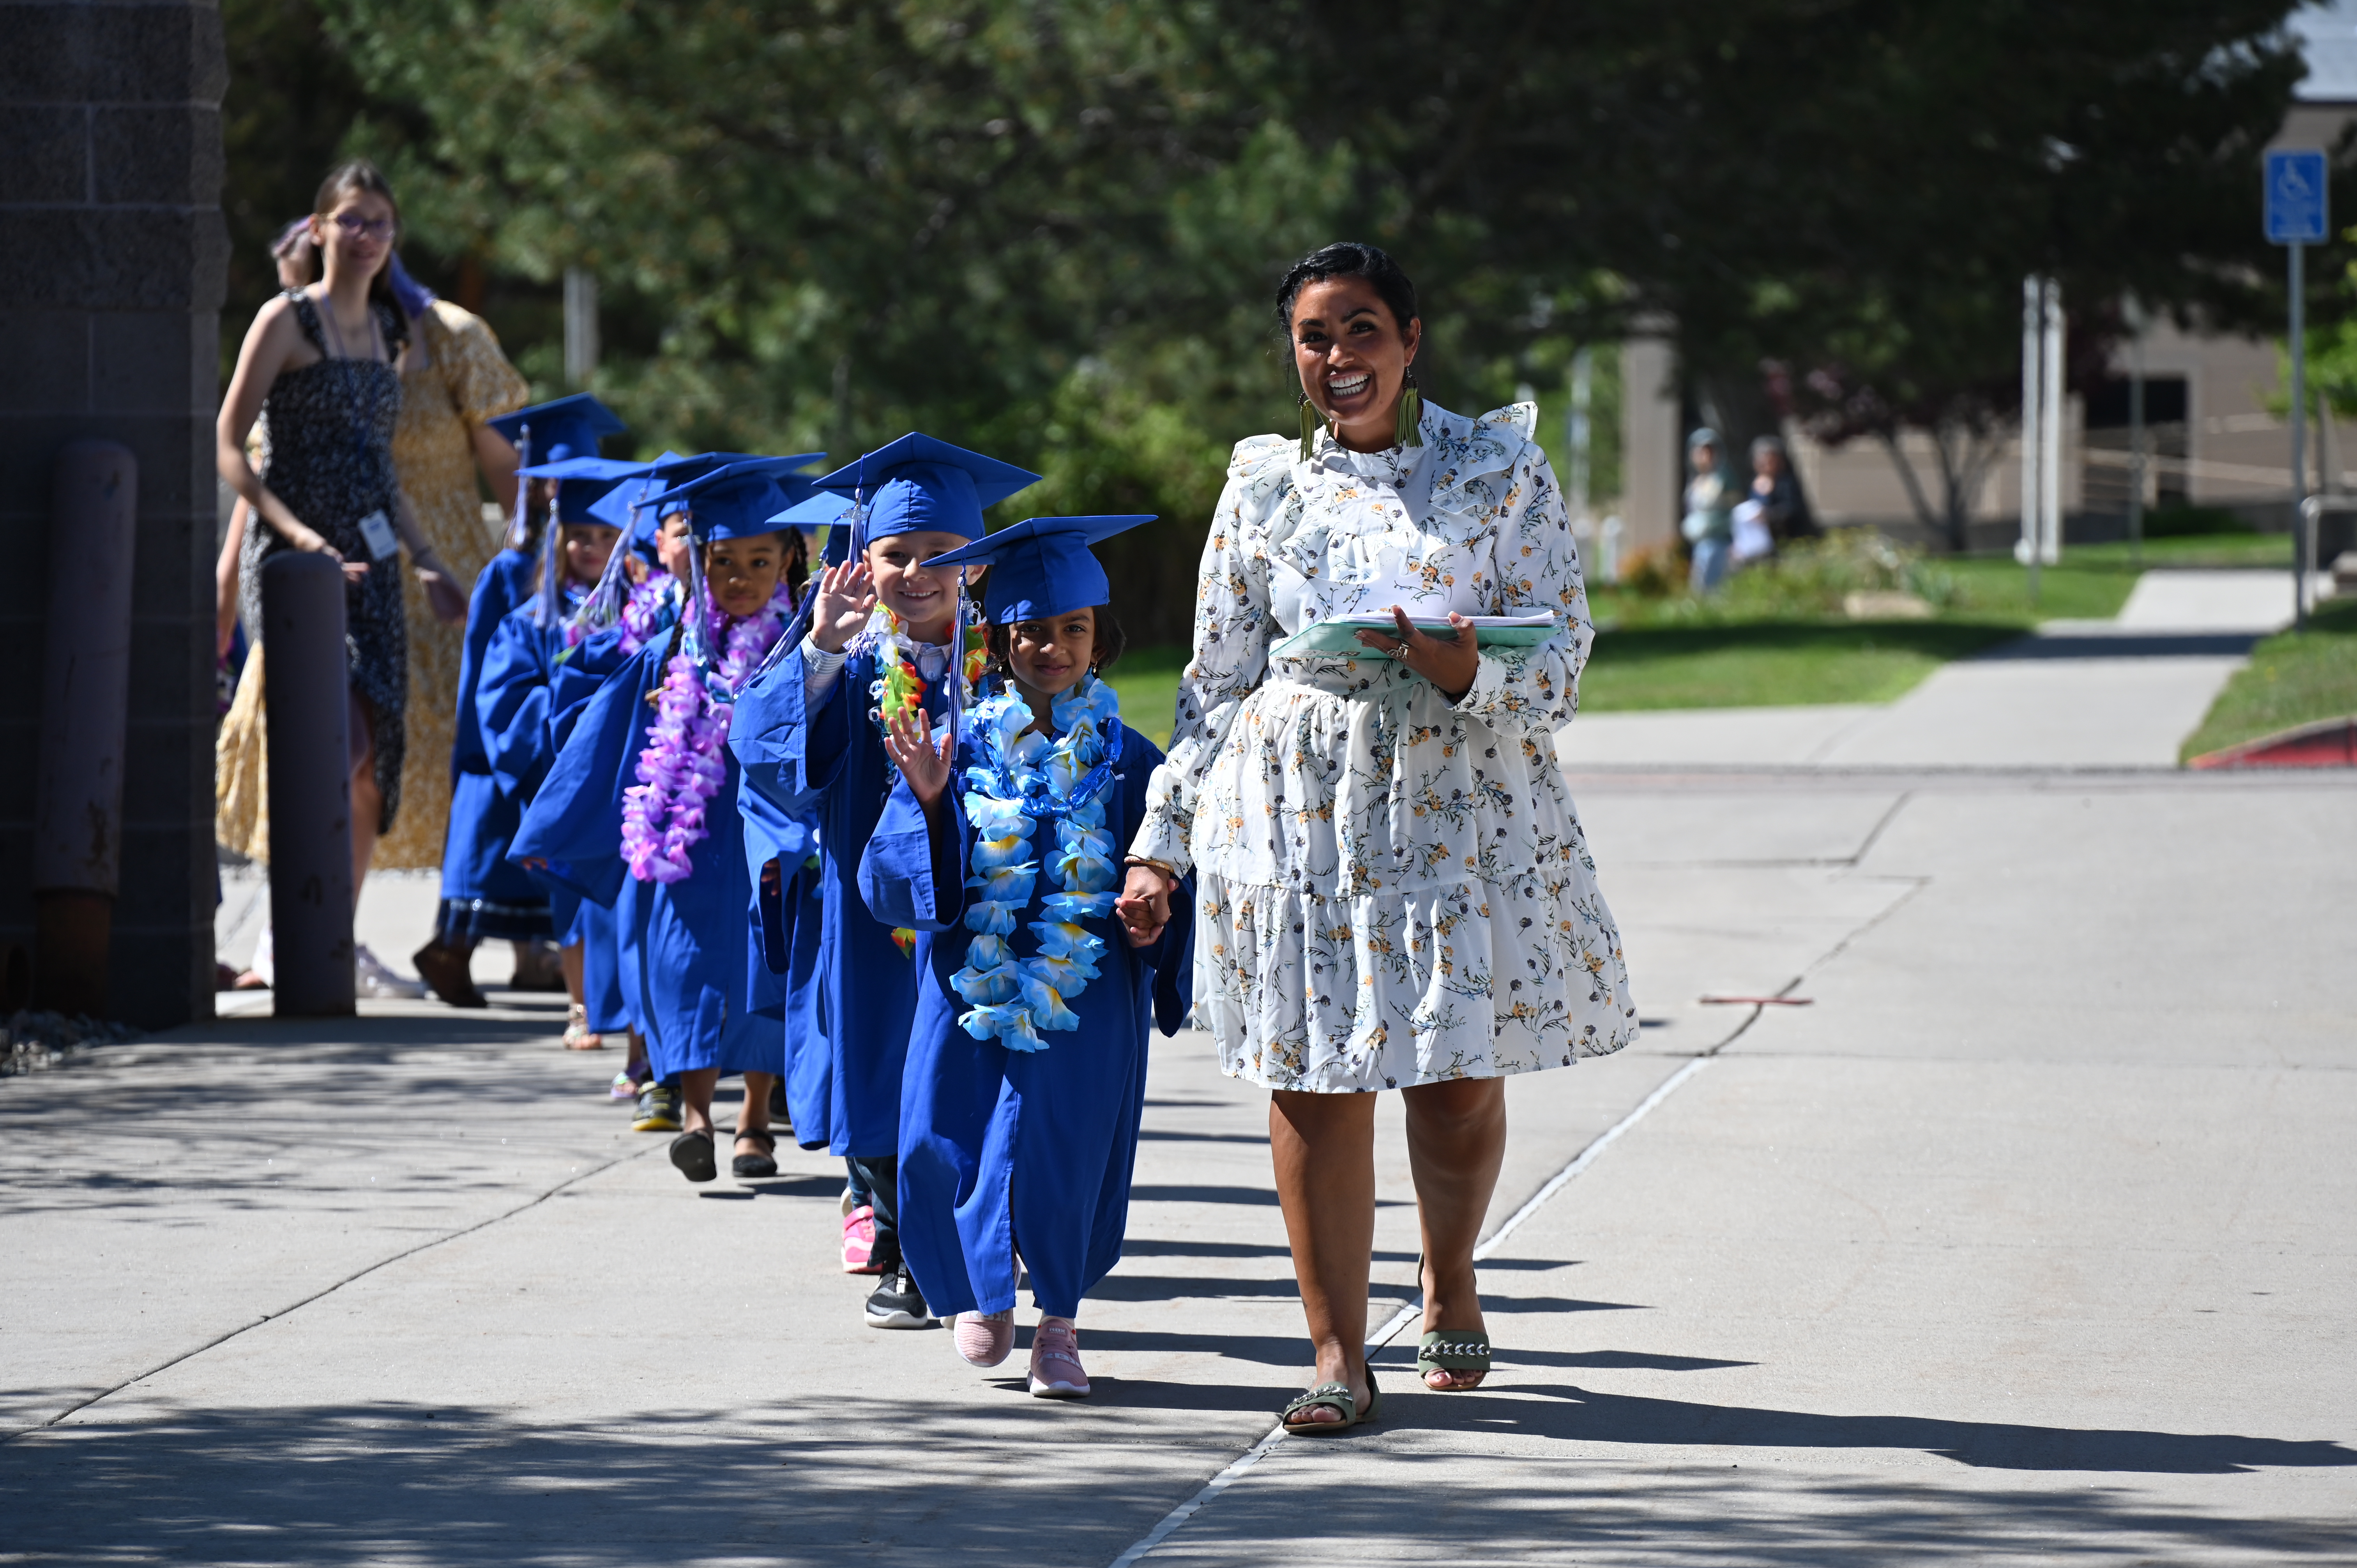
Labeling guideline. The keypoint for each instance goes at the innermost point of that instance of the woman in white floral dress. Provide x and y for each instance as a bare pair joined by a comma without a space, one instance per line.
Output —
1392,890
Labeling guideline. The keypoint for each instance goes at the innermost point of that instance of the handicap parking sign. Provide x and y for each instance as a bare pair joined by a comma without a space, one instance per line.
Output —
2296,197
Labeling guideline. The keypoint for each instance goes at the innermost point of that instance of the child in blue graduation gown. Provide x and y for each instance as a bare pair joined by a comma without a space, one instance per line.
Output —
1026,1076
483,896
643,815
880,631
516,702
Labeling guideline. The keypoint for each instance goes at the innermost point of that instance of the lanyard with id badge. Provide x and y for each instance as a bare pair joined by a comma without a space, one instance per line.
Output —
376,528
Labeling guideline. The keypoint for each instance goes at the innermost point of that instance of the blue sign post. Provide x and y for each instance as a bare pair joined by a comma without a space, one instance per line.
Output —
2297,217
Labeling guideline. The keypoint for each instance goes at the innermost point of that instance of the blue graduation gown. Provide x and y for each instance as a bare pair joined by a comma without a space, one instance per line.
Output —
686,991
789,918
828,765
475,867
1011,1153
526,700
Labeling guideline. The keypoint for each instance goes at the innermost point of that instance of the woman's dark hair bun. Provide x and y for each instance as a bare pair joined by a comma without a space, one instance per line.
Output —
1348,259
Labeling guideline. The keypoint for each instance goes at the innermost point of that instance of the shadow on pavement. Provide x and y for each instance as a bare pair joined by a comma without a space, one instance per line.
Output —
331,1486
2126,645
1578,1415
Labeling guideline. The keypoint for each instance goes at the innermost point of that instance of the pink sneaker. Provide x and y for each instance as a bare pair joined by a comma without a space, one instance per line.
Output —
859,1242
1056,1371
984,1339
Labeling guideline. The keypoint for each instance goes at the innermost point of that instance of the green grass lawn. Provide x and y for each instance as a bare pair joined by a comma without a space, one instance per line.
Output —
1765,663
2293,678
1750,647
1147,680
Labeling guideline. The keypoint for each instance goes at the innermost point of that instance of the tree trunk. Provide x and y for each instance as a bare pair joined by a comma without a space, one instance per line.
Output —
1923,512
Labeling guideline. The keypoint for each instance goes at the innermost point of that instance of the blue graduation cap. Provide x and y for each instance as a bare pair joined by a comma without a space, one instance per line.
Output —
824,509
565,427
577,498
740,499
605,469
1041,566
918,483
615,507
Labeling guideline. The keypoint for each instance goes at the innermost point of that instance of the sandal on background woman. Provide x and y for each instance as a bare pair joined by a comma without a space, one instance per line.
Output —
1334,1396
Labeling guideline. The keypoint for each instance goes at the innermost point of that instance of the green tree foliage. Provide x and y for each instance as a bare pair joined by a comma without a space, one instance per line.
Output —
1050,228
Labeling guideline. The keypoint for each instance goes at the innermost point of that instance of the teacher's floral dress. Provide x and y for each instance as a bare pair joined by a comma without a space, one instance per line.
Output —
1391,890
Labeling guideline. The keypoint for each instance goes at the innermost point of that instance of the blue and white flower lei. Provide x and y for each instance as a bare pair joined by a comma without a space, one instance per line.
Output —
1020,780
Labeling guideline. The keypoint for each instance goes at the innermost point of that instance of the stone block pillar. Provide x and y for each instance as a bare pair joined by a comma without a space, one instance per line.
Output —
112,257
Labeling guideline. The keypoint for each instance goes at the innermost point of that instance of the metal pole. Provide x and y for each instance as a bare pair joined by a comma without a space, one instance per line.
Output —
580,325
85,697
306,691
2136,320
2299,529
2033,384
2051,406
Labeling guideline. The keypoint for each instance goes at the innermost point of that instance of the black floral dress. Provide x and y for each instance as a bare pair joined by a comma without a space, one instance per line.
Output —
327,453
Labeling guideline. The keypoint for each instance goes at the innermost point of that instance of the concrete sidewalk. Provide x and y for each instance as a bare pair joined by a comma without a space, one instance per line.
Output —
2027,1238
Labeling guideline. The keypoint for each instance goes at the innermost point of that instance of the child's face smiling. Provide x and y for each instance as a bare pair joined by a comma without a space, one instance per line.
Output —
742,574
923,600
1048,657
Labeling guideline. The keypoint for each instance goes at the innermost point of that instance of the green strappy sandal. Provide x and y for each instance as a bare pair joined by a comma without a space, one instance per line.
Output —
1452,1350
1336,1396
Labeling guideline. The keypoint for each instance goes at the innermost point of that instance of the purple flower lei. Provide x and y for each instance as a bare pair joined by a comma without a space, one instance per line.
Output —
648,611
682,770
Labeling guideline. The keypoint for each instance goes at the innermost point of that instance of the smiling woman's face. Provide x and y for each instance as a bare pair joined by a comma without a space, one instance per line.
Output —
1353,358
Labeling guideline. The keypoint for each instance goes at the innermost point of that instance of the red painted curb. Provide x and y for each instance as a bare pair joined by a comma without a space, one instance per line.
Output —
2330,743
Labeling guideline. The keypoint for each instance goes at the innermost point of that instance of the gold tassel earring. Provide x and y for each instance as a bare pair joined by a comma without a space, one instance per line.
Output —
1410,430
1310,421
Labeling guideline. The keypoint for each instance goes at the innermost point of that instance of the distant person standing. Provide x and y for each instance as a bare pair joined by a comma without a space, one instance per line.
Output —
319,360
1708,526
454,382
1778,492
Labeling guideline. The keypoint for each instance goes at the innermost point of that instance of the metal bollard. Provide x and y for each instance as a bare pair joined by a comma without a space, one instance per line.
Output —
305,690
85,692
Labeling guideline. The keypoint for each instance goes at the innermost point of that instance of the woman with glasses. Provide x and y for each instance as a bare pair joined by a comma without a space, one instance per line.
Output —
319,359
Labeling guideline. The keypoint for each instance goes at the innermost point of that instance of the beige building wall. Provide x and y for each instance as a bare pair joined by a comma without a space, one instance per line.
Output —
2236,452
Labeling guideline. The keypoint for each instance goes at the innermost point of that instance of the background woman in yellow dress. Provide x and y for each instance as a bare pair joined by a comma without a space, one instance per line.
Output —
452,379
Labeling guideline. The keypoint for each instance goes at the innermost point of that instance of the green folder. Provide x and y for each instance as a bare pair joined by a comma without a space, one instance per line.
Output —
1340,635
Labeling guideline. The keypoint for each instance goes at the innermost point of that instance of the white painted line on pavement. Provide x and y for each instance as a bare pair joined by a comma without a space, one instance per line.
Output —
1408,1312
1211,1488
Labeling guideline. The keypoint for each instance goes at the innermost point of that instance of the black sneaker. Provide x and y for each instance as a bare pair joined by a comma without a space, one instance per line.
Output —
897,1303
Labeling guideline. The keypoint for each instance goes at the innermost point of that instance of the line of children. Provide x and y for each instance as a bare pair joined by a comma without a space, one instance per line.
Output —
759,799
483,896
643,817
